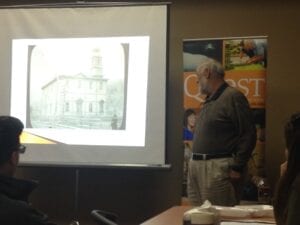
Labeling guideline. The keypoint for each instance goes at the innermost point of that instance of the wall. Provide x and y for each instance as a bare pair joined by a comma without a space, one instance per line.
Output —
139,194
134,194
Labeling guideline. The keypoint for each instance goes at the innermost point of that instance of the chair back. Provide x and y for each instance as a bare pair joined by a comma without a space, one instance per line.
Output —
103,217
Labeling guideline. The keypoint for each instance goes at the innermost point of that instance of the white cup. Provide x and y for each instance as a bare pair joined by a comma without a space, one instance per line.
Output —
203,218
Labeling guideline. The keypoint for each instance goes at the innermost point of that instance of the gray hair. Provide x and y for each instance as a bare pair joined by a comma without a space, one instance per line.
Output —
214,67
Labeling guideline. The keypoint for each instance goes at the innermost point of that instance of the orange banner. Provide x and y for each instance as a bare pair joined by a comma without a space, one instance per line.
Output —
251,83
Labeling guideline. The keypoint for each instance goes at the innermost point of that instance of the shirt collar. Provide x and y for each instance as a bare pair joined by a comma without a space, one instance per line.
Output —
217,94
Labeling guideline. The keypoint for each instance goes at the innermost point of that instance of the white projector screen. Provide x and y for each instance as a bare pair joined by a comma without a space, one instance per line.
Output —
89,83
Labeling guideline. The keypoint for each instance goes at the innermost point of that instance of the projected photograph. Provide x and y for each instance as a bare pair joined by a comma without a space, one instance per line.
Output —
78,88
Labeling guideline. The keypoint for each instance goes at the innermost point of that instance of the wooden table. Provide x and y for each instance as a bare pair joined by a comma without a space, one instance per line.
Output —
172,216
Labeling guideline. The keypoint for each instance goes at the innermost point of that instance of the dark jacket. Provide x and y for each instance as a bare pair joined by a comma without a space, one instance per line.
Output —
293,216
14,206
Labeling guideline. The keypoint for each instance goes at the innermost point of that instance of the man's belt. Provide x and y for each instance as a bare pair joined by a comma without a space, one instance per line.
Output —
198,156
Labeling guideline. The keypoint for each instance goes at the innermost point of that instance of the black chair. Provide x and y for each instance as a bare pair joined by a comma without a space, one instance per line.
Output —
104,218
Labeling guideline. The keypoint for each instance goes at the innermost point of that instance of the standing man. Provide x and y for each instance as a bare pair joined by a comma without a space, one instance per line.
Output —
14,206
224,139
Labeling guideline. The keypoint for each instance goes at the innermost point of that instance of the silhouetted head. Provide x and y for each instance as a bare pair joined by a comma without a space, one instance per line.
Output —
292,141
10,147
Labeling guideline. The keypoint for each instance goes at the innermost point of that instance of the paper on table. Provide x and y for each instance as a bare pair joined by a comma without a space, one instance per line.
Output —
242,223
246,214
246,211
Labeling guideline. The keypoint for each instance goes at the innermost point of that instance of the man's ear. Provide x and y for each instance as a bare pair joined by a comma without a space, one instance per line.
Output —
14,159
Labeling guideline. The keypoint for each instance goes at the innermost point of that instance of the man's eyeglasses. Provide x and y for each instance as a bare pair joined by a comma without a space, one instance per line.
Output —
21,149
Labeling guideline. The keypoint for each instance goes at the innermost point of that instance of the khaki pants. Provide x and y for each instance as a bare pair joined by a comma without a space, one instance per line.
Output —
209,180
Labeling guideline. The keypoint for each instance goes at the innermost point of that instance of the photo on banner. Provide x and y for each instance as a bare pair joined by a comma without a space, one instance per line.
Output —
245,63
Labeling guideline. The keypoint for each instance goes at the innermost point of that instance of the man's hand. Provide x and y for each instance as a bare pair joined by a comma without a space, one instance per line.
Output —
235,180
283,167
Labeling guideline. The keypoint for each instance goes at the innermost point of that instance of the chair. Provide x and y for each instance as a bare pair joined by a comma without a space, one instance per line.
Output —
103,217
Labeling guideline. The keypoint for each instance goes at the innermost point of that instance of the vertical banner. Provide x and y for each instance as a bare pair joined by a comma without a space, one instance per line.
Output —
245,63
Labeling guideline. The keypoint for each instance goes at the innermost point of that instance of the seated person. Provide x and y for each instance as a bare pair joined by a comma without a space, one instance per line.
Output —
256,165
287,195
14,193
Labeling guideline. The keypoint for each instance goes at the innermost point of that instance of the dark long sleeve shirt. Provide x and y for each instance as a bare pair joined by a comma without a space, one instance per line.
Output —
293,216
225,125
14,206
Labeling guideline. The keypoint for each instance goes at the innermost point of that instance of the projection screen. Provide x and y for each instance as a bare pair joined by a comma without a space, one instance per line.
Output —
89,83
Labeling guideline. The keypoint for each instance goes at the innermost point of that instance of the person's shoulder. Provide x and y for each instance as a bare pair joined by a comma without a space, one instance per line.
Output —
12,203
19,212
233,90
11,210
234,93
237,98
